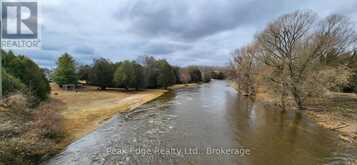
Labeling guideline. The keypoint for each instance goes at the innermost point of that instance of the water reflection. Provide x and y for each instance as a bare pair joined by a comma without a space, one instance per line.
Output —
212,115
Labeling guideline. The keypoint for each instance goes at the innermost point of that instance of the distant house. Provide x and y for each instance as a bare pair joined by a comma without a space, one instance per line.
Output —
81,83
68,87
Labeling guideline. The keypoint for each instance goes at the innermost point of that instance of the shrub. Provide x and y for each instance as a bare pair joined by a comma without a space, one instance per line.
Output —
11,84
14,152
25,139
28,73
48,123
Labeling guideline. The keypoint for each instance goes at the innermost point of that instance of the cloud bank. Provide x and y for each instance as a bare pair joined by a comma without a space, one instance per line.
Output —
185,32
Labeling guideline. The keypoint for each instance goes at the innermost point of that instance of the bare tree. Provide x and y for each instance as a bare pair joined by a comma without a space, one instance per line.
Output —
336,35
245,66
294,45
281,42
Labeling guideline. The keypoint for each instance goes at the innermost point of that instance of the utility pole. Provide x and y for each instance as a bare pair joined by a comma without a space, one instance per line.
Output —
1,50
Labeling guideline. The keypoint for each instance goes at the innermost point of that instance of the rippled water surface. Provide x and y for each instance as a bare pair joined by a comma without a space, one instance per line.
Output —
209,124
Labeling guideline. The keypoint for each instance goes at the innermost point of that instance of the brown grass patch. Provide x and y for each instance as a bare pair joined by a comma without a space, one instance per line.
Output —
83,111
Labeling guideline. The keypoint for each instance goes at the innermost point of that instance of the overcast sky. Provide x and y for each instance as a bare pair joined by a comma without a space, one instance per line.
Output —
184,32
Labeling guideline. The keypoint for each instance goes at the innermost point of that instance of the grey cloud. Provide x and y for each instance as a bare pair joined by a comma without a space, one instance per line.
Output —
191,20
84,50
162,48
185,31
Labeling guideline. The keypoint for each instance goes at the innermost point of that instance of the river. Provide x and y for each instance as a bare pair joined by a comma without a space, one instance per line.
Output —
209,124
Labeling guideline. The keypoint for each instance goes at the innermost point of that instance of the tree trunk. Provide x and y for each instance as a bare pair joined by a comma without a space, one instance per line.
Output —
284,95
298,99
298,95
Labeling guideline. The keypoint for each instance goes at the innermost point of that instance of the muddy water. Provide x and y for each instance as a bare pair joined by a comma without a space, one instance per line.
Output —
209,124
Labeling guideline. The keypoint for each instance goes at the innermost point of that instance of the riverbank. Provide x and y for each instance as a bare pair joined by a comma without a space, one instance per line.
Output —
182,86
85,110
337,112
184,118
31,135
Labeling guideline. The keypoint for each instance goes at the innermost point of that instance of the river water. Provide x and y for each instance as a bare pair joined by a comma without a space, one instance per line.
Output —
209,124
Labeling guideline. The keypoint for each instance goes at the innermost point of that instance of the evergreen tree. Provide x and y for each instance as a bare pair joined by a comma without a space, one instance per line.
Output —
65,72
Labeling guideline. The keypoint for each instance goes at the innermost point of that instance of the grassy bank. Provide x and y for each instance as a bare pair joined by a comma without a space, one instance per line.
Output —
31,135
83,111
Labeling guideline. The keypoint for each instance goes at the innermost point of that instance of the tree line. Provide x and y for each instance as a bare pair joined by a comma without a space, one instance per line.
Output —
150,73
22,74
299,56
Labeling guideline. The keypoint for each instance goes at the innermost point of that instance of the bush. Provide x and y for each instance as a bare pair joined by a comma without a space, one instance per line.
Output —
28,73
48,123
27,136
352,84
25,150
14,152
32,76
11,84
